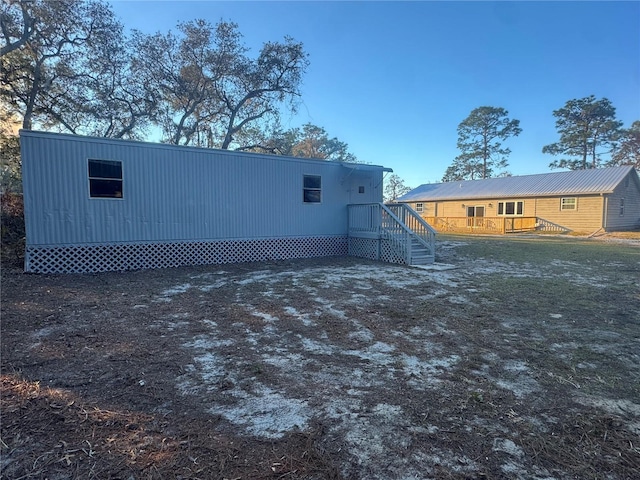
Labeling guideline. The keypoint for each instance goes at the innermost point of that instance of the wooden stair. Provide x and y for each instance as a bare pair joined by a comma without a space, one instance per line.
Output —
420,254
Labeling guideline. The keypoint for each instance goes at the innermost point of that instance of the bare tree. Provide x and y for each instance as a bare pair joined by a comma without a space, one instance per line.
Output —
311,141
212,93
16,26
314,142
68,65
44,45
10,165
256,89
108,98
394,188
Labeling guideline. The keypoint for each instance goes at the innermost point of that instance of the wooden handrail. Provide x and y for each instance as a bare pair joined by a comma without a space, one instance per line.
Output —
501,224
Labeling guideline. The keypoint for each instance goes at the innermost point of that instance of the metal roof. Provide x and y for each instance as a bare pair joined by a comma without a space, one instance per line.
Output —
191,148
577,182
363,166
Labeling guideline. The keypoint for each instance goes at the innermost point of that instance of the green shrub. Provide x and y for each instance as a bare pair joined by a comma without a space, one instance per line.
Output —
12,228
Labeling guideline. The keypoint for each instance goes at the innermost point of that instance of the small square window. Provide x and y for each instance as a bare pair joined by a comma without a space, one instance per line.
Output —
570,203
361,189
419,207
105,179
312,189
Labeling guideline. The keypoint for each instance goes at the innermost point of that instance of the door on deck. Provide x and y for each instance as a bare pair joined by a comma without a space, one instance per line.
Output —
475,216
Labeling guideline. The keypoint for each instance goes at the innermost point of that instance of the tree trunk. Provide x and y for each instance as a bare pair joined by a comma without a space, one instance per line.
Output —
485,156
27,121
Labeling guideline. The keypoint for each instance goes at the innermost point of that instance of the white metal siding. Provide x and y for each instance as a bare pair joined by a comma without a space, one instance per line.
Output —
177,193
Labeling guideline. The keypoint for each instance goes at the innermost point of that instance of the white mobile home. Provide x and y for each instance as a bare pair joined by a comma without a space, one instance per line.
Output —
97,204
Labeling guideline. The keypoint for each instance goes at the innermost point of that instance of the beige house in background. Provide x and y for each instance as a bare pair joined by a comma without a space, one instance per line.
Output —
583,201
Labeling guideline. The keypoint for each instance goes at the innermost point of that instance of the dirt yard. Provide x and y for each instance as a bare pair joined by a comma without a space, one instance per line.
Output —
508,358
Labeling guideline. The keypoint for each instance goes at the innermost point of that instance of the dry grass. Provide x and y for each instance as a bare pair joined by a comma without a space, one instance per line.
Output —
517,360
48,432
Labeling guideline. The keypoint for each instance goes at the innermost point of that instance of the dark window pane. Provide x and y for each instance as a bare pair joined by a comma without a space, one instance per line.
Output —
105,169
105,188
312,181
510,208
520,207
312,196
501,208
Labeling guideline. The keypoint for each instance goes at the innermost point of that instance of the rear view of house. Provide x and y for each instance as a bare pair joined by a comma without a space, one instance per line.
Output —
96,204
581,201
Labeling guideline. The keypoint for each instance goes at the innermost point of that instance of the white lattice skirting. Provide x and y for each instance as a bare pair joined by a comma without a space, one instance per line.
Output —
374,249
136,256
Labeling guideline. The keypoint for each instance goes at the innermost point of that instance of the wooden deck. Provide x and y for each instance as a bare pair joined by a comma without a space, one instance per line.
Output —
501,225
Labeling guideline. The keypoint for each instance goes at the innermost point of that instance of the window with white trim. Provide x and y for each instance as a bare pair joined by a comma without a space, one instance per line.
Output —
511,208
419,207
569,203
105,178
312,189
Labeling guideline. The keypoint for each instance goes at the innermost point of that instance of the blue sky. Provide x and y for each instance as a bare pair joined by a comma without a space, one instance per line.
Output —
394,79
